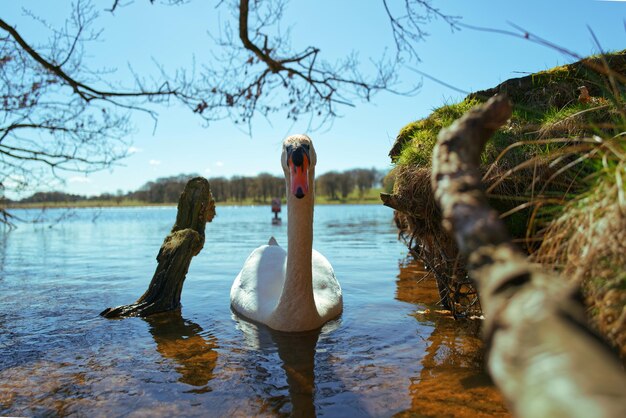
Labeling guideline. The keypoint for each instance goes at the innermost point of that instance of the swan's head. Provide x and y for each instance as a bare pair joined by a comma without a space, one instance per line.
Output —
298,160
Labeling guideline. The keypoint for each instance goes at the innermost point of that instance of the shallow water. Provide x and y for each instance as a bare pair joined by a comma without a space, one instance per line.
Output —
389,353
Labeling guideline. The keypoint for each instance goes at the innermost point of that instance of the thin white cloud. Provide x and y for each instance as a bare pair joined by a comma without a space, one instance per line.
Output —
219,164
134,150
14,180
154,162
79,179
207,170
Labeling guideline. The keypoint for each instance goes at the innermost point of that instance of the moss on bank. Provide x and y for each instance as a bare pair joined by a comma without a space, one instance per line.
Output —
556,173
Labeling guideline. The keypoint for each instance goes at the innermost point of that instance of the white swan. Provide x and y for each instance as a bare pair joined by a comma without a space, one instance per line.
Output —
293,290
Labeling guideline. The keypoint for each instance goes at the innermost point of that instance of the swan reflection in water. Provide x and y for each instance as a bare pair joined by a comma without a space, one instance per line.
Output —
185,342
194,352
296,351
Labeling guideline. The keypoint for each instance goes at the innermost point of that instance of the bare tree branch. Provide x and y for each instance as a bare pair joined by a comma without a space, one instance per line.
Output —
407,26
258,74
86,92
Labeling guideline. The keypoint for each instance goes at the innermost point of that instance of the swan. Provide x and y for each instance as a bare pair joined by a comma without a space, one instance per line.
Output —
293,290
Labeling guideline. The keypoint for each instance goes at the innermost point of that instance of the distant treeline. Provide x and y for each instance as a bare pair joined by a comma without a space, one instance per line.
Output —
260,188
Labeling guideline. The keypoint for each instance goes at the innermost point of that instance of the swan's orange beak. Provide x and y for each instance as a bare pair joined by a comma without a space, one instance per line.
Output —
299,173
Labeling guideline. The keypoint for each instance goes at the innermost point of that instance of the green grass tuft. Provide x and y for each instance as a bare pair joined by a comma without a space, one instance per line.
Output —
419,137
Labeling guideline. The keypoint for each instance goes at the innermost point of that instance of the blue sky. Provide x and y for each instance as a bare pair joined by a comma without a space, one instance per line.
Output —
467,59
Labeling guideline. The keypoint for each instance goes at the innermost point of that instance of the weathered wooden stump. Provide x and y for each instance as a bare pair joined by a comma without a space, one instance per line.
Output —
542,354
196,207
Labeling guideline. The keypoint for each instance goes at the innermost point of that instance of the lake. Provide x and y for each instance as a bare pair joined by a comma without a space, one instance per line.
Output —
390,353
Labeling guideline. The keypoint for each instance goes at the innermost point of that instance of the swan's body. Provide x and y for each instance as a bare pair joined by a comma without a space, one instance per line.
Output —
258,287
294,290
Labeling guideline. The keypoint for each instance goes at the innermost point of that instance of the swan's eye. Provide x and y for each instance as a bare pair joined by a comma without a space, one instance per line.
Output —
307,147
289,149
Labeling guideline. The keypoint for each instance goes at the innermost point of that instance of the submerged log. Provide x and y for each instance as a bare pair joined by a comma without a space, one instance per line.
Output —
542,354
196,207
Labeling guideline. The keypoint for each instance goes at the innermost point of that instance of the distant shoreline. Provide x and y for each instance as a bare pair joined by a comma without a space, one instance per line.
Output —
372,197
99,204
70,205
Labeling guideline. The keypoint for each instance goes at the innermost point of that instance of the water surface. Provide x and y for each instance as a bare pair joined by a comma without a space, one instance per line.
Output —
389,353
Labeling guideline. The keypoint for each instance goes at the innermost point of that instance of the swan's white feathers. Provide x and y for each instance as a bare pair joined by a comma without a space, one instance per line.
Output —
258,286
326,289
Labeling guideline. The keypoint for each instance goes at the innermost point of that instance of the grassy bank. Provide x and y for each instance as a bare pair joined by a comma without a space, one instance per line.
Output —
372,196
556,173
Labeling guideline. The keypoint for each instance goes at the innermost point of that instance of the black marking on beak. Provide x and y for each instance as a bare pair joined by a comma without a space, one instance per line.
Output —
296,154
299,193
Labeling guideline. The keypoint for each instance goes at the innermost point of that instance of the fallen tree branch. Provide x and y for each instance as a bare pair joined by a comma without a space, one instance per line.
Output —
541,353
396,202
195,208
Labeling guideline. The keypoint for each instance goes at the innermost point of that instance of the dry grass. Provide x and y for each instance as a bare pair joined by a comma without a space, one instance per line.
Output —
419,220
580,227
587,243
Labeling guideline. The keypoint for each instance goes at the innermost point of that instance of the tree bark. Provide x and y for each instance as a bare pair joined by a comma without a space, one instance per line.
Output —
541,353
195,208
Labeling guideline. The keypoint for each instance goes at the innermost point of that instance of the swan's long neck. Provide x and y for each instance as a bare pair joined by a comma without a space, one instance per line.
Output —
300,242
296,301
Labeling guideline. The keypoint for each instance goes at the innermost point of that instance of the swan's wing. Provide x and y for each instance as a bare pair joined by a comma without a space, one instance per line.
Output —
326,288
257,288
